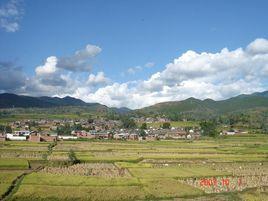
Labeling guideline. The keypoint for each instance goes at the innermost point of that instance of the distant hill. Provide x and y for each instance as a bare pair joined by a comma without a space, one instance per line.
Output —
121,110
66,101
192,107
263,94
8,100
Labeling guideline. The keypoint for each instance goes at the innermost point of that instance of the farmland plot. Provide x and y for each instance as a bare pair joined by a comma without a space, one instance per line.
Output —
160,170
69,193
106,170
174,172
10,163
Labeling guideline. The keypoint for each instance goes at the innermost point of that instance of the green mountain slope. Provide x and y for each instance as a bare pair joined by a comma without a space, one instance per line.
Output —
207,108
8,100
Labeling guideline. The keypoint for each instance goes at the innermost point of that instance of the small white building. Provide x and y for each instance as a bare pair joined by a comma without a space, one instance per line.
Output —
10,136
230,132
67,137
189,136
120,136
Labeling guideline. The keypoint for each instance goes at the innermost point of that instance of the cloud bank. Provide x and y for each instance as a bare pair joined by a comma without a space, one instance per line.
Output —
203,75
218,75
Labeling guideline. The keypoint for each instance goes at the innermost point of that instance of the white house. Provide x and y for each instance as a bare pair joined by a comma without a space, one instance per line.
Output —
230,132
10,136
67,137
119,136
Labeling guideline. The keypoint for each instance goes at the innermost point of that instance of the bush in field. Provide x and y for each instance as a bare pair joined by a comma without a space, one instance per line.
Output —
72,157
51,146
44,156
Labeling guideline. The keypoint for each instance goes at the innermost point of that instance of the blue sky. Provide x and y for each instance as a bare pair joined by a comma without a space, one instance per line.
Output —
130,34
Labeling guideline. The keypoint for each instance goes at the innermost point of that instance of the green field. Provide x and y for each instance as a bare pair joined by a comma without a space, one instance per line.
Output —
132,170
13,164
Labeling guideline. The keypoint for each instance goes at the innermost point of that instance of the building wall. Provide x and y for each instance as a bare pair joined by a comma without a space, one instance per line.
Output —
48,138
34,138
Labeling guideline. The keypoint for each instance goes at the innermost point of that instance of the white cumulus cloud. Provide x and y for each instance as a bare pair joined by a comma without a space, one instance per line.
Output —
99,79
48,68
258,46
202,75
81,60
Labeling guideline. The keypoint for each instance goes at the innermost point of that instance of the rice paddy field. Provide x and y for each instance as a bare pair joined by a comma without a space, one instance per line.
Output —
230,168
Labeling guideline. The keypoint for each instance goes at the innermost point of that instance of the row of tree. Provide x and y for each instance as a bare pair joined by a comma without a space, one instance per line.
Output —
5,129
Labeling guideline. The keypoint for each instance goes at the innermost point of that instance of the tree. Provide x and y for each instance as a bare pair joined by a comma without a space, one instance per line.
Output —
39,129
142,133
232,122
64,130
143,126
166,125
90,120
209,128
72,157
173,116
6,129
128,123
264,126
77,127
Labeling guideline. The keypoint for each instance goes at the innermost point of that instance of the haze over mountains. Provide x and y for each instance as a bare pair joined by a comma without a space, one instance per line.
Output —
191,105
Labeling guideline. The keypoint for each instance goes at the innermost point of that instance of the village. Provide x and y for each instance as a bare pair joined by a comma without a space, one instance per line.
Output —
54,130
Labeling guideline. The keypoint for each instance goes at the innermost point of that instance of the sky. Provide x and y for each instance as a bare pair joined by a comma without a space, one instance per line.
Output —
133,53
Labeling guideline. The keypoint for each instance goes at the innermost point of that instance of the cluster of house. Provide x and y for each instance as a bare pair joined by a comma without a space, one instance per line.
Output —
117,134
26,135
94,129
99,129
52,124
151,119
175,133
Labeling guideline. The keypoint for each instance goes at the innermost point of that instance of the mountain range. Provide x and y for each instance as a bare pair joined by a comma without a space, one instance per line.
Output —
190,106
8,100
208,107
